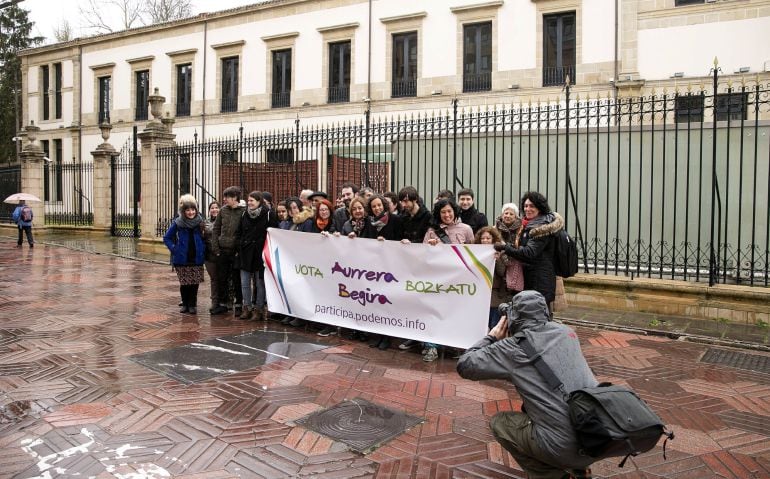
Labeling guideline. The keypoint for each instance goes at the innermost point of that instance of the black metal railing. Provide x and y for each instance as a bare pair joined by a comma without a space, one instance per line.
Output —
553,76
403,88
126,180
141,112
229,105
477,82
281,99
10,183
657,194
339,94
70,189
183,108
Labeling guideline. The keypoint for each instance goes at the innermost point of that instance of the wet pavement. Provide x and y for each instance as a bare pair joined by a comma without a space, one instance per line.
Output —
93,383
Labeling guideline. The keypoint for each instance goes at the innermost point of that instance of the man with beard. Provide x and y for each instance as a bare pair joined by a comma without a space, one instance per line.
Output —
341,214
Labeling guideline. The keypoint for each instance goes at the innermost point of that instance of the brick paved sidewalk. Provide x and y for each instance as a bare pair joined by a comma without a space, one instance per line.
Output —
72,403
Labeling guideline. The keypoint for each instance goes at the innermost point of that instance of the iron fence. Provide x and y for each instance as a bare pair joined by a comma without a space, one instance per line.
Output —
125,187
68,190
10,183
648,188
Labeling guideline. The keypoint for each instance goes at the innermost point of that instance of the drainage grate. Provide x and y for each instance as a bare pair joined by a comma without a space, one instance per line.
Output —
360,424
735,359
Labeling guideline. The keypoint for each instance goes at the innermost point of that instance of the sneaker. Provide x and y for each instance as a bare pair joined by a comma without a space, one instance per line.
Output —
218,310
430,355
408,344
327,331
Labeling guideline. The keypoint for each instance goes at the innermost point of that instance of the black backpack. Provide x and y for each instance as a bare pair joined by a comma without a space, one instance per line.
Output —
565,255
609,421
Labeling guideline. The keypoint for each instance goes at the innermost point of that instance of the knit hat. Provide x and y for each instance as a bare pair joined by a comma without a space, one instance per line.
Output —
187,201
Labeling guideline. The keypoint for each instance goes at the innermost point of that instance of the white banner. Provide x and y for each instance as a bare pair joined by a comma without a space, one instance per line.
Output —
438,294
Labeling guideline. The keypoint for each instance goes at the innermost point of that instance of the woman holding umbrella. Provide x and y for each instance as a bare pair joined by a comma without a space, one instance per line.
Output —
23,216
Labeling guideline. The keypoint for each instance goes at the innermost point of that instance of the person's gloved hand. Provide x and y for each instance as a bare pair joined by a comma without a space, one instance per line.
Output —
499,246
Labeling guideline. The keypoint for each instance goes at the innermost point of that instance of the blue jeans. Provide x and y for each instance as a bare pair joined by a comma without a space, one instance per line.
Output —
247,277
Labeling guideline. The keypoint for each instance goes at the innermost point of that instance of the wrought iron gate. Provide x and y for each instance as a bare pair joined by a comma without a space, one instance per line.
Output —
126,190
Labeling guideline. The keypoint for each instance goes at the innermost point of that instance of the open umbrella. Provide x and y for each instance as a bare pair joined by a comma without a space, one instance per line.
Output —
16,197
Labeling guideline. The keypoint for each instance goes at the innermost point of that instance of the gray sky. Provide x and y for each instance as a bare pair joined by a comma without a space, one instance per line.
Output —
49,13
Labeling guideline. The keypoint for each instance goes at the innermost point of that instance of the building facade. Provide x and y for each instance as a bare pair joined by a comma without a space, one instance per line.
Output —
263,66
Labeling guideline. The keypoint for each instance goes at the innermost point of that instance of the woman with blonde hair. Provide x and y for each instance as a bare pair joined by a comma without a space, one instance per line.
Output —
184,239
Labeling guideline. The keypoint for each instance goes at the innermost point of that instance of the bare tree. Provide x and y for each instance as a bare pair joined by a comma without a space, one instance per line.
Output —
105,16
158,11
63,32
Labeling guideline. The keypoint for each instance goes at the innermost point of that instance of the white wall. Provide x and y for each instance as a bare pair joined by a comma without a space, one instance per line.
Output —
598,31
691,49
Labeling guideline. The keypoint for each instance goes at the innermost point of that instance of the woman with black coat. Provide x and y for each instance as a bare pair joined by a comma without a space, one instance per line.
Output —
381,224
534,244
252,232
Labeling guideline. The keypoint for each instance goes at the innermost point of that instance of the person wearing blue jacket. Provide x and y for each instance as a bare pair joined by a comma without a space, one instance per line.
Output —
184,239
22,216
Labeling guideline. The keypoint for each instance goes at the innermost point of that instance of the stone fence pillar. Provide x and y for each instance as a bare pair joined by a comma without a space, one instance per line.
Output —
102,180
32,157
155,135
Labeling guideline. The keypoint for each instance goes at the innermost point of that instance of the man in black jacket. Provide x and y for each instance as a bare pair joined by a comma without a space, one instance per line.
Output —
468,213
341,214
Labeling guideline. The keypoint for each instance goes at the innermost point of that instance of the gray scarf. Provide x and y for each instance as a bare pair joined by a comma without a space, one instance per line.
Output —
184,222
253,214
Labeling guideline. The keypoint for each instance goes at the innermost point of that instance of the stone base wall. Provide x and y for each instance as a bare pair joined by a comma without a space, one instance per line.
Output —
737,304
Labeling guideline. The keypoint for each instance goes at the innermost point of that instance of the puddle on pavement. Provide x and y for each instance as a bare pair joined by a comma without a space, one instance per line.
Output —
199,361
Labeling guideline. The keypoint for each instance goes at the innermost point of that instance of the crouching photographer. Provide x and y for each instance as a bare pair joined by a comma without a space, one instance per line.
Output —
541,437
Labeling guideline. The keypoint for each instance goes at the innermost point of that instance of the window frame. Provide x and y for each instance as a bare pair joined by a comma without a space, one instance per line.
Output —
725,106
478,80
229,104
280,96
104,96
184,87
141,95
57,74
339,67
555,75
45,86
405,85
689,108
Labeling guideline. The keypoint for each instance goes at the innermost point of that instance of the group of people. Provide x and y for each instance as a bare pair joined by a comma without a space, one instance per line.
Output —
229,243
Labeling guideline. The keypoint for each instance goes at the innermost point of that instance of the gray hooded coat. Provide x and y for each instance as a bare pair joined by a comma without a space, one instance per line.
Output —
560,349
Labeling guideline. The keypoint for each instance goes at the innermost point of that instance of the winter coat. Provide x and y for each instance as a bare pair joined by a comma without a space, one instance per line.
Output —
17,216
546,407
340,216
536,251
391,231
177,240
474,218
458,233
413,228
500,293
507,232
226,228
208,239
303,221
252,233
285,224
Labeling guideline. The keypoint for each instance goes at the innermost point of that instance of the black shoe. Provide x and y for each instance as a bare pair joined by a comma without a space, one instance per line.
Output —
384,344
327,331
181,303
408,344
287,321
374,341
183,309
297,322
192,310
238,310
31,245
218,310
